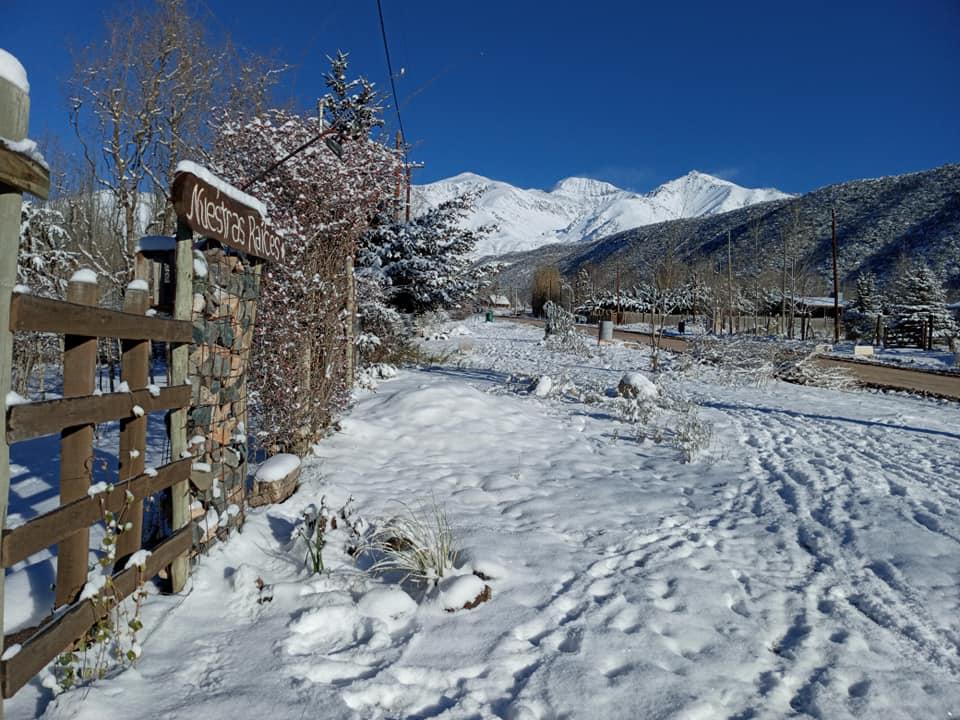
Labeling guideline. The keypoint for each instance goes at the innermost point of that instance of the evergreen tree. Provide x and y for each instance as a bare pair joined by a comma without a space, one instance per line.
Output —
918,297
861,317
423,264
582,288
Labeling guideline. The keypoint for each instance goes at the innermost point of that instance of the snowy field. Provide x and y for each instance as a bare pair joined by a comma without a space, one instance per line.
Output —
803,565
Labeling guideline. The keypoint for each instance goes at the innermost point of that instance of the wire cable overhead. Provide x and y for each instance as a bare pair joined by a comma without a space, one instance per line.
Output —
393,84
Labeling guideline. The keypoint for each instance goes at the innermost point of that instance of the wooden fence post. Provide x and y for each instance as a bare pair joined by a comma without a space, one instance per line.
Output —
179,357
76,445
134,370
14,113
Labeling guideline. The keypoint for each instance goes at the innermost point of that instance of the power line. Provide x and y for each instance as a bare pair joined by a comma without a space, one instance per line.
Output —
393,85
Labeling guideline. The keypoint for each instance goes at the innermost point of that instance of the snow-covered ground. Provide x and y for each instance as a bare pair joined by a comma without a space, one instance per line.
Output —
804,565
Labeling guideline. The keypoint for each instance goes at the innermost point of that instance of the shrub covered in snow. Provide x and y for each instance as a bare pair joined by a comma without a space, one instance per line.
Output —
560,332
746,360
322,204
419,544
637,385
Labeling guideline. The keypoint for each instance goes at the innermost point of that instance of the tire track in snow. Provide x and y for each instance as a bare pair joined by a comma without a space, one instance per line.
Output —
811,499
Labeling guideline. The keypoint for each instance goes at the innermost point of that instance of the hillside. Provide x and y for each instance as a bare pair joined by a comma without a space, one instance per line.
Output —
880,221
580,209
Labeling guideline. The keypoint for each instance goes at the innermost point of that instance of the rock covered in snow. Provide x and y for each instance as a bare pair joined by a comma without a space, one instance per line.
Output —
463,592
392,606
277,468
543,387
637,385
487,569
276,479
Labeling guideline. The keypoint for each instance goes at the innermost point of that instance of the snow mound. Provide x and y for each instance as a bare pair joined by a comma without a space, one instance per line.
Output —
543,387
637,385
84,275
392,606
277,468
15,398
485,568
458,591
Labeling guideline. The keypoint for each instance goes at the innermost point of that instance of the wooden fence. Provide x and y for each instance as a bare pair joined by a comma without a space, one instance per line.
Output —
81,321
74,417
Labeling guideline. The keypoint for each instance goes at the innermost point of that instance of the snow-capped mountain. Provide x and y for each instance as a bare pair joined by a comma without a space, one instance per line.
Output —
581,209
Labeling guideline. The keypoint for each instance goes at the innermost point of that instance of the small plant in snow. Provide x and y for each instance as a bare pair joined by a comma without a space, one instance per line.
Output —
692,434
317,522
312,532
418,543
114,636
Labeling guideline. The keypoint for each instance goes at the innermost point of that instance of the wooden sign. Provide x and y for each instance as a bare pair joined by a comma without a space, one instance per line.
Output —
219,211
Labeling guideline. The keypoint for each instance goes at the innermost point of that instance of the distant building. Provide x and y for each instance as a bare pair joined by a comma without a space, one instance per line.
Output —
821,307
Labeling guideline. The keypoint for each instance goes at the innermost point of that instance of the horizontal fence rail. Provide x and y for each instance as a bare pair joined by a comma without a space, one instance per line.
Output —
40,532
40,314
36,419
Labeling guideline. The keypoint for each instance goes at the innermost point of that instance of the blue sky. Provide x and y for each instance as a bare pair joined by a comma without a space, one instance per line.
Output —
787,95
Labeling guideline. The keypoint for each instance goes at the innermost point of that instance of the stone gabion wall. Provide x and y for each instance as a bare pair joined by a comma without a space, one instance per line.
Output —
226,288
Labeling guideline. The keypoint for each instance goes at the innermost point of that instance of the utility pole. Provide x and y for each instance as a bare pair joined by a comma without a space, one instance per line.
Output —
396,194
783,285
730,281
409,172
618,291
836,282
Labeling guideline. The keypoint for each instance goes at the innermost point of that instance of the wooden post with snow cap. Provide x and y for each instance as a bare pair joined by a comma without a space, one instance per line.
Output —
135,372
14,115
76,443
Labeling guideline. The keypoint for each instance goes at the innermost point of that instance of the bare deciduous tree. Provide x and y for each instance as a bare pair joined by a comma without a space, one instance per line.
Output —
142,99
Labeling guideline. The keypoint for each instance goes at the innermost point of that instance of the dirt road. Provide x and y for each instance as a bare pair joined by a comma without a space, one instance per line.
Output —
872,374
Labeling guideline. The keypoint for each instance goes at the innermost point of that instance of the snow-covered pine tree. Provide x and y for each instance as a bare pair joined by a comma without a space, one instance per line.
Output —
861,317
423,264
582,287
917,298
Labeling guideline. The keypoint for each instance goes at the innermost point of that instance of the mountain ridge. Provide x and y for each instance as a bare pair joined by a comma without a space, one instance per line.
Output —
880,222
578,209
